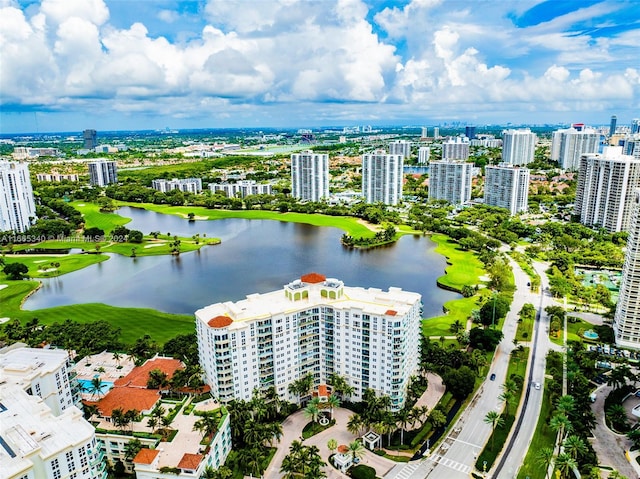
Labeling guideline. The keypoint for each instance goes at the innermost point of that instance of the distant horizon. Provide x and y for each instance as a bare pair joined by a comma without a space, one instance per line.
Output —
111,65
176,130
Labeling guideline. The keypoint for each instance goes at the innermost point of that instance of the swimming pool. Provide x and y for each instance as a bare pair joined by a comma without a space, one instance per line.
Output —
87,388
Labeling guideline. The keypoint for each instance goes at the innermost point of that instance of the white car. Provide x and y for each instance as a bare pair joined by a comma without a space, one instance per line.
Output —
536,385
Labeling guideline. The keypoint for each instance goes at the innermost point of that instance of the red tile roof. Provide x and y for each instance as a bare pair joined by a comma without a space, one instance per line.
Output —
322,390
128,399
139,376
391,312
146,455
342,449
190,461
313,278
220,322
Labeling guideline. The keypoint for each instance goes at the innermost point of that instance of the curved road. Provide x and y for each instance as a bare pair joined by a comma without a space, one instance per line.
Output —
456,455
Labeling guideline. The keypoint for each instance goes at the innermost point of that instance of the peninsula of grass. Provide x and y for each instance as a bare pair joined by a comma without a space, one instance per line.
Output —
94,218
134,323
350,225
465,269
48,266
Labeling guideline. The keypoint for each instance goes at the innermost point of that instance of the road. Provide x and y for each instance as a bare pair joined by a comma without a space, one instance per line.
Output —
524,427
457,453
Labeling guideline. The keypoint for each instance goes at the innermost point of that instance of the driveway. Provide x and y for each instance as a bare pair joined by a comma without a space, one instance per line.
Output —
292,430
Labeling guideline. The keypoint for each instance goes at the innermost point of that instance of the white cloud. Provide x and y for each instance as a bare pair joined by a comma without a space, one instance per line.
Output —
58,11
168,16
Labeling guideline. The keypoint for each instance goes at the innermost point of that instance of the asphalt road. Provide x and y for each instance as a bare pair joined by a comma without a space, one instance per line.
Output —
518,443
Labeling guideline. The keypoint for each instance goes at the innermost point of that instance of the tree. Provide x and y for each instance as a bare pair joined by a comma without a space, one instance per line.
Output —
356,449
312,410
207,425
93,234
565,464
437,418
355,424
574,446
494,309
132,448
561,425
135,236
495,420
96,386
332,445
543,458
15,271
403,419
459,382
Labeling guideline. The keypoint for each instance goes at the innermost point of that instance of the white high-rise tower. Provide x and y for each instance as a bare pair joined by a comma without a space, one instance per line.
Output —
507,186
382,178
518,146
17,206
567,146
310,175
626,322
451,181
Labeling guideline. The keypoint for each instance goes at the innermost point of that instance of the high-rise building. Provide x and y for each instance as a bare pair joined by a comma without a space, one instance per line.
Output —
470,132
400,147
90,139
455,149
450,180
423,154
518,146
313,325
310,176
425,132
382,177
631,145
103,173
568,145
17,206
42,434
507,186
612,126
436,132
604,196
635,126
626,322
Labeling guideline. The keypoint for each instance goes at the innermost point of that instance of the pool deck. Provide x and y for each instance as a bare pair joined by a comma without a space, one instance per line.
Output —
104,366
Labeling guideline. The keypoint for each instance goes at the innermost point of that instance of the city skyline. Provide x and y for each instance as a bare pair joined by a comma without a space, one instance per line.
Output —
110,65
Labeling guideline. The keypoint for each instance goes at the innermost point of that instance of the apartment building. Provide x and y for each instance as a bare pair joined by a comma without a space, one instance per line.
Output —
423,155
450,180
312,325
17,205
57,177
102,173
626,322
518,146
186,185
242,188
604,196
310,176
455,149
42,434
568,146
382,177
400,147
507,186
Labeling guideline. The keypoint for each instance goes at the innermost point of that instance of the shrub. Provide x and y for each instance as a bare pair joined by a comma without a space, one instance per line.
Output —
363,472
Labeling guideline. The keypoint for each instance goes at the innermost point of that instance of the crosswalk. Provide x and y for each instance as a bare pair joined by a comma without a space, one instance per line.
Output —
421,469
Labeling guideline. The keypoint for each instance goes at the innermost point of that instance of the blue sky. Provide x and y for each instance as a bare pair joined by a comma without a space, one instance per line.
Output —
67,65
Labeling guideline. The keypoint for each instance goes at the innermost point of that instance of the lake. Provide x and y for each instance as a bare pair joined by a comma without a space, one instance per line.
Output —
255,256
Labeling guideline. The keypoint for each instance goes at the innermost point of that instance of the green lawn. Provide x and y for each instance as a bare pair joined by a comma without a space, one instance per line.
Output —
525,330
457,309
498,438
42,267
464,266
572,331
133,322
346,223
543,437
93,217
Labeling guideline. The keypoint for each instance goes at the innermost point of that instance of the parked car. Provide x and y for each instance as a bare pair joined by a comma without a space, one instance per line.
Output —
493,376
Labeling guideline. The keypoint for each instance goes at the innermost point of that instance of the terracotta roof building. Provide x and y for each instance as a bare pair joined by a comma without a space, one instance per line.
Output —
312,325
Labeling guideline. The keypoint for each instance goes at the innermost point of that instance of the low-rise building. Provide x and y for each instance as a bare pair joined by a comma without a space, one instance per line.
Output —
187,185
242,188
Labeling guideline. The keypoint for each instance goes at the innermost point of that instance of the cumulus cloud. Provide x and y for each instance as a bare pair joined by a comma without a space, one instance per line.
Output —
423,57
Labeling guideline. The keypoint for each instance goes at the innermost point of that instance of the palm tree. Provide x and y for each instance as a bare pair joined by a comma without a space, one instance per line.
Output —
132,448
356,449
574,446
152,422
544,458
565,404
495,420
561,425
437,418
402,418
333,402
207,425
312,411
117,357
355,424
565,464
507,398
96,387
117,418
